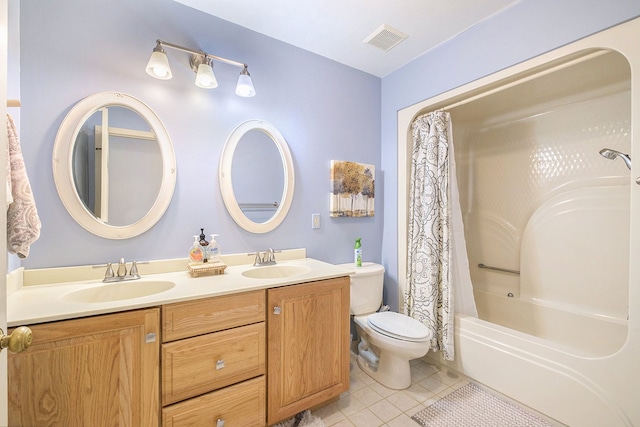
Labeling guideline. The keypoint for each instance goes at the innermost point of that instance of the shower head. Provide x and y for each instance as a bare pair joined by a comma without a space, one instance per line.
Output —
610,154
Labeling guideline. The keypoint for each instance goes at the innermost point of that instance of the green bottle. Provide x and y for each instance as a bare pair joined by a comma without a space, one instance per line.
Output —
358,253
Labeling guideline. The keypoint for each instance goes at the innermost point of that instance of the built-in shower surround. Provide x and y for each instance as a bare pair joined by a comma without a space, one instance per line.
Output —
538,197
559,332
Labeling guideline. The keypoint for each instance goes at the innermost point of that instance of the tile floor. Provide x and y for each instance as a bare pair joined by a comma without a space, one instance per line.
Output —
369,404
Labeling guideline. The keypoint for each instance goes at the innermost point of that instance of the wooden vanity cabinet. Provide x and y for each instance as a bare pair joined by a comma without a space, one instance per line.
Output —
93,371
210,369
213,361
308,351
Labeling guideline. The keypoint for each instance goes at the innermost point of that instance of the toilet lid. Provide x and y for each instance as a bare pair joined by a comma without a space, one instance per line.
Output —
398,326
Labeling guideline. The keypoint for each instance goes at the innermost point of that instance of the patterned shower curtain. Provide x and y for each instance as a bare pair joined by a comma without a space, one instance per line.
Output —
431,252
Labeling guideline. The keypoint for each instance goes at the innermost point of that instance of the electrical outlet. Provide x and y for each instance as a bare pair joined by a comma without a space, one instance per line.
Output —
315,221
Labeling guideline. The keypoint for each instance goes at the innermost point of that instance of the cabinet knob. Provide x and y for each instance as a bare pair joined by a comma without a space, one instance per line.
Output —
276,310
219,365
19,340
220,423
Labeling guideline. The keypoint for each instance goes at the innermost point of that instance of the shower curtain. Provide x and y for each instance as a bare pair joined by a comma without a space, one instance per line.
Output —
438,267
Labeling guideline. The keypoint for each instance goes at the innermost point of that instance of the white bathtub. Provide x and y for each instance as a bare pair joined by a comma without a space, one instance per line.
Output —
551,378
564,327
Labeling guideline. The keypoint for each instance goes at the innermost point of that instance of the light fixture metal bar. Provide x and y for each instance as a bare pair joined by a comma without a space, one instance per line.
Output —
199,52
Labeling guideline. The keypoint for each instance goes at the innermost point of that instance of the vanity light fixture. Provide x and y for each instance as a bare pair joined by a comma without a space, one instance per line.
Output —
245,85
205,77
158,65
202,64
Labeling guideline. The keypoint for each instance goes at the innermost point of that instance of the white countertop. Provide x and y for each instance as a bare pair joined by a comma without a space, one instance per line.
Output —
40,303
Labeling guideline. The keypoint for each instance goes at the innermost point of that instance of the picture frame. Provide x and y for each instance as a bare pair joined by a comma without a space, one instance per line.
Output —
352,189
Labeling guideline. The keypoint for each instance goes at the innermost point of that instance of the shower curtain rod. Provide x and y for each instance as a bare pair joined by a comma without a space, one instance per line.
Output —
523,80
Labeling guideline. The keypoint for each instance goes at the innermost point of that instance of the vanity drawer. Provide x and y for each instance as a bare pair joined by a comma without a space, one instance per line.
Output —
204,363
241,405
191,318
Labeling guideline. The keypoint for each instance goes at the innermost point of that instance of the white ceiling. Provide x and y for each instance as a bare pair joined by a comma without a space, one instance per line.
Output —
336,29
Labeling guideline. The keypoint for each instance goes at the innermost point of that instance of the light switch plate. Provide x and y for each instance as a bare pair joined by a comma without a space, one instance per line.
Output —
315,221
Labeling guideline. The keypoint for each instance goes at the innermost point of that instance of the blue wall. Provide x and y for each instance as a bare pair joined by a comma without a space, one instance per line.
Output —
523,31
326,111
70,49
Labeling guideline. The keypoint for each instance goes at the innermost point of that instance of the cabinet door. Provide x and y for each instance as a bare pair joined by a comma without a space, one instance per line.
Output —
308,351
100,370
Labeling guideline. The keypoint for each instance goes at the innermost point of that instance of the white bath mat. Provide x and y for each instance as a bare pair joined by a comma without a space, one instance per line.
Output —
303,419
470,406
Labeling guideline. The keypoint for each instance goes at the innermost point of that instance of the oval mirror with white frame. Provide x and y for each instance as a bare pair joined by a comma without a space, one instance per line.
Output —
113,165
256,176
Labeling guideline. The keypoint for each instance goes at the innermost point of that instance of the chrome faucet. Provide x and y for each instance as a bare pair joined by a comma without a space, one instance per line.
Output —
268,257
121,273
122,269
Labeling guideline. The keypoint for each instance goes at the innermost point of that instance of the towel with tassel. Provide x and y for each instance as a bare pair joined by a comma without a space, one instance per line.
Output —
23,223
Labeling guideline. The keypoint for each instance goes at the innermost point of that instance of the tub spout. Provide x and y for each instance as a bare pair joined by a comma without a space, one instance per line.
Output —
368,355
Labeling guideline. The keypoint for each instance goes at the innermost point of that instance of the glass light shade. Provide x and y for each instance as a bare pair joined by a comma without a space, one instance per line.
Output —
158,65
205,77
244,87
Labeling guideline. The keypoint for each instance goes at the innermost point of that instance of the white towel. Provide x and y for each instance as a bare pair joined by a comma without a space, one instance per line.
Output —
23,223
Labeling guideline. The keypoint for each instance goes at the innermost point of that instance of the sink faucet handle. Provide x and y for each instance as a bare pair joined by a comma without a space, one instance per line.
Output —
258,259
109,273
134,269
122,268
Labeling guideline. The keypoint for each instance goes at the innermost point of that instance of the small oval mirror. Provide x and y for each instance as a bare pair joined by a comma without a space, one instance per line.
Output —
256,176
114,166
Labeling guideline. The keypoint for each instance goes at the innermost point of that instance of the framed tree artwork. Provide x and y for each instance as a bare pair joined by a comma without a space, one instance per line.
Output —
352,189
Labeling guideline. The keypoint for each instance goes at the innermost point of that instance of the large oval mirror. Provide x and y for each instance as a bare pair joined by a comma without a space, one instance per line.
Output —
256,176
113,165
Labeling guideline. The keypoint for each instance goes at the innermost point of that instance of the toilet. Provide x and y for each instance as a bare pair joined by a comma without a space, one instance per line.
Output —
388,340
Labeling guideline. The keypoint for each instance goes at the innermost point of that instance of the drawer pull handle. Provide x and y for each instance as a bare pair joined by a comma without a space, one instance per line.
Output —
276,310
220,365
220,423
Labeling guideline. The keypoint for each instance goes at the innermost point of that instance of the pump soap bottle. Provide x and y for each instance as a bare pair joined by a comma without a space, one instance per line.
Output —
214,249
358,253
205,246
195,253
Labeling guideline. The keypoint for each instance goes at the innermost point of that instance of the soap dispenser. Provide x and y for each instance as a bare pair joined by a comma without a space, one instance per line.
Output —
214,249
204,245
195,253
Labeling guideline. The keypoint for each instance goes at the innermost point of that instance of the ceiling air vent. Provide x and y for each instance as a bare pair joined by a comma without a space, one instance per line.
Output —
385,37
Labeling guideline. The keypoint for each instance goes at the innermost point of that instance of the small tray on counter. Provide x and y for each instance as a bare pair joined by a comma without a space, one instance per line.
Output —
211,268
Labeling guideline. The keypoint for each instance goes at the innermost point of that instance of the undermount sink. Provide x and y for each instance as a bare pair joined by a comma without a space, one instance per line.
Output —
118,291
276,271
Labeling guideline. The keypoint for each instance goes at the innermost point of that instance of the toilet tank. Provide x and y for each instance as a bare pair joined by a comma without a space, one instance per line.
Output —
366,288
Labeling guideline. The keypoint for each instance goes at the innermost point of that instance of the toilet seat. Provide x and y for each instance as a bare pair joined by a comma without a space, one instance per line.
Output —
398,326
